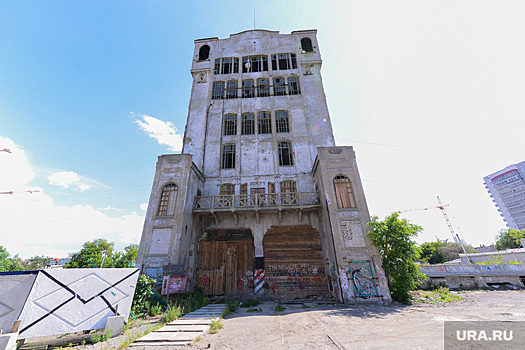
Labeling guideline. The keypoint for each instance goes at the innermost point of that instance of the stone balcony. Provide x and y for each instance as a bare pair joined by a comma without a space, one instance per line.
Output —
257,202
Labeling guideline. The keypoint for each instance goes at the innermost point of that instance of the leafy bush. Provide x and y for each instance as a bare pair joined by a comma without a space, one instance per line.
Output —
215,326
250,303
97,338
145,299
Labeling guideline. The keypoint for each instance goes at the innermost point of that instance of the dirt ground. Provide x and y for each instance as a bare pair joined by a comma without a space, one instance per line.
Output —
359,326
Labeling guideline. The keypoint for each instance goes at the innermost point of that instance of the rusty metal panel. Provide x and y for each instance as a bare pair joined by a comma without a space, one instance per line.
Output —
294,264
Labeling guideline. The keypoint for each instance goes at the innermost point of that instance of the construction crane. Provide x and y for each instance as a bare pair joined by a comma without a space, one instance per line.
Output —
441,207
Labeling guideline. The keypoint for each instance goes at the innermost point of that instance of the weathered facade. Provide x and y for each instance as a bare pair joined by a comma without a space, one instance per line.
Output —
261,201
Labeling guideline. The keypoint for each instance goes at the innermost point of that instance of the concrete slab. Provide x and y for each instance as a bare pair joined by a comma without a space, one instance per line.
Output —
168,336
14,290
184,328
114,325
8,341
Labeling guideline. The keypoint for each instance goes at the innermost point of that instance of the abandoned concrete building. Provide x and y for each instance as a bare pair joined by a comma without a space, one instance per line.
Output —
261,202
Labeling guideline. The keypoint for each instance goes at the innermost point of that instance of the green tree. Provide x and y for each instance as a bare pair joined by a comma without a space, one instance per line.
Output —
98,253
9,263
509,239
441,251
128,257
36,262
393,238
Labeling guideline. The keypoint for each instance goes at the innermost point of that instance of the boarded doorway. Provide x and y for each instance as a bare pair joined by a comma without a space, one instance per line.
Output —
225,262
294,265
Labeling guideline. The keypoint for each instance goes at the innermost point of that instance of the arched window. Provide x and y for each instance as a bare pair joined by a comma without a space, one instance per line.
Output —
306,45
167,200
204,52
343,192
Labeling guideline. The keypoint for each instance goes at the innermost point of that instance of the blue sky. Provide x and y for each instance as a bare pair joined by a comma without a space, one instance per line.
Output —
430,94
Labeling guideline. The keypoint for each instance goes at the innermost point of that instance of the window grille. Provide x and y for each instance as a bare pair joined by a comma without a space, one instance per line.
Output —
230,124
264,123
248,88
279,87
228,156
248,124
218,90
285,153
281,121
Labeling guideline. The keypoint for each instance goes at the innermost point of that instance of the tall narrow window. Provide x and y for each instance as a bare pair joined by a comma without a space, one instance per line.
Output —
217,68
271,187
244,189
281,121
218,90
264,123
248,88
230,124
248,124
293,86
204,52
167,200
227,189
288,187
306,45
279,87
231,89
228,156
343,192
285,153
294,61
263,88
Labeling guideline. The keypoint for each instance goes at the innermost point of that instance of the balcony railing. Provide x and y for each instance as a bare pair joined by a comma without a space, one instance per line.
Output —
257,201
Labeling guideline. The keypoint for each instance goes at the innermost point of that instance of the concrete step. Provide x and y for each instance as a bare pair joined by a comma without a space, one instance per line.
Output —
182,331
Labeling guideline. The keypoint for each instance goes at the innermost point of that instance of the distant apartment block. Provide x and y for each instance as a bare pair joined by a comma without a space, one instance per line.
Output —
507,190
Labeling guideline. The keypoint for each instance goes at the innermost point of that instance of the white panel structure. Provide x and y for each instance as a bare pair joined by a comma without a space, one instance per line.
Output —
71,300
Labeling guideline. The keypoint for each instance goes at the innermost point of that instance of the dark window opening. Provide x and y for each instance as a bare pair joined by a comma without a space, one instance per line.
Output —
248,124
244,189
281,121
218,90
285,153
343,192
254,64
306,45
284,61
263,88
231,89
217,68
279,87
230,124
248,88
228,156
226,65
293,86
204,52
264,123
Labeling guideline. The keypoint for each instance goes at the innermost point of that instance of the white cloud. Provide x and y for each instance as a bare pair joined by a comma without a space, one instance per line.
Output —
144,206
164,132
32,224
67,179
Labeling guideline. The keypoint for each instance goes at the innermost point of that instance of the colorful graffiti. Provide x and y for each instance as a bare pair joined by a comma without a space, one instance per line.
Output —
363,279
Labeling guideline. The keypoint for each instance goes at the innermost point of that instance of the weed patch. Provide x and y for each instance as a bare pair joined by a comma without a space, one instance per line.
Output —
250,303
279,308
215,326
439,295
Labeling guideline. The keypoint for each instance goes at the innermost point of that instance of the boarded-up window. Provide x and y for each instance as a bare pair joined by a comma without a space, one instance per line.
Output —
271,187
244,189
343,192
168,198
288,186
227,189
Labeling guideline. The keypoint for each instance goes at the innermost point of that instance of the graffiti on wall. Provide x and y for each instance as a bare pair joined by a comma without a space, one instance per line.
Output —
294,277
363,279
